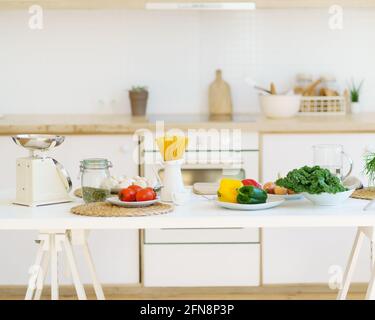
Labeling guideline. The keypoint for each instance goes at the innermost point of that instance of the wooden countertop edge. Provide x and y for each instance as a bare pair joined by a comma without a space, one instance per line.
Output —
117,128
119,124
116,131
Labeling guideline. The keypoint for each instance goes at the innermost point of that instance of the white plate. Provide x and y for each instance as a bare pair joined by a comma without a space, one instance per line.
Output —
296,196
117,202
272,201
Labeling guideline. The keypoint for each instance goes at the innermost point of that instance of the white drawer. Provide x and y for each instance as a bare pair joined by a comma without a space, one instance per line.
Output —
201,265
235,235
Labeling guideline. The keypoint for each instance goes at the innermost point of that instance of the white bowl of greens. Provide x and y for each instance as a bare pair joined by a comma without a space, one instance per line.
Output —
328,199
316,184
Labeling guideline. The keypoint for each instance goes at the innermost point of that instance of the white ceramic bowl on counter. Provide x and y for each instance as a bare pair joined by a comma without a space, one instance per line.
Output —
280,106
328,199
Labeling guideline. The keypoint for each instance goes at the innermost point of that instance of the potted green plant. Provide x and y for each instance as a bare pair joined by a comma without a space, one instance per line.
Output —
138,96
355,91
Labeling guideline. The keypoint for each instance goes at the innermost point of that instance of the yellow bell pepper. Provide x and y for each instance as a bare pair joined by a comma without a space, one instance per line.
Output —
228,190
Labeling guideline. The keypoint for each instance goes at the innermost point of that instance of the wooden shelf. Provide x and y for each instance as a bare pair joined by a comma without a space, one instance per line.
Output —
274,4
140,4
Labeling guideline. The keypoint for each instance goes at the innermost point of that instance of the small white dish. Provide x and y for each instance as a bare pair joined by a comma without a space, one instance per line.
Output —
134,204
272,201
182,197
328,199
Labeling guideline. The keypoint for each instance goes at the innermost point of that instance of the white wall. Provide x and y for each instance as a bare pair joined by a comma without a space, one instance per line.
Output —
82,61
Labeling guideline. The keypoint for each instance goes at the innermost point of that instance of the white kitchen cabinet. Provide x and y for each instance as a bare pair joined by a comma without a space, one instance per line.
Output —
115,253
306,255
201,257
200,265
224,235
214,244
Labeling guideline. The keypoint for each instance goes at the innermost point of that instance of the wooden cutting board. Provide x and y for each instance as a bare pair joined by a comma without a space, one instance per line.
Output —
205,188
364,194
220,99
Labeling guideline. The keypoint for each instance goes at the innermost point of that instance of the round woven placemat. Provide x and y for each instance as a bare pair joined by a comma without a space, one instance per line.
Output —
364,194
104,209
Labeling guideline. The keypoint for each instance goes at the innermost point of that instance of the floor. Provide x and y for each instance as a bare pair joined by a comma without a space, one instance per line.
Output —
267,293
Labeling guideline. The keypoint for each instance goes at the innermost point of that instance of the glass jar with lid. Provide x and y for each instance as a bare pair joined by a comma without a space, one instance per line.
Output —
94,174
304,79
329,85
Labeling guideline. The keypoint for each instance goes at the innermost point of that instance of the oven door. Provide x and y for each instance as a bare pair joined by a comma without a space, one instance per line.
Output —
239,165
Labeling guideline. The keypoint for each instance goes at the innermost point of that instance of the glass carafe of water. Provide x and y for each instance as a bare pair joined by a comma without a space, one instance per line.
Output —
331,157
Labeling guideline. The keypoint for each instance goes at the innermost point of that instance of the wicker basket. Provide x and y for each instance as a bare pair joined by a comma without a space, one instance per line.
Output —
323,105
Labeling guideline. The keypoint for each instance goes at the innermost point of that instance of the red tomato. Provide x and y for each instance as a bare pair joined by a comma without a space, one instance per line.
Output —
152,190
251,182
135,188
146,194
128,195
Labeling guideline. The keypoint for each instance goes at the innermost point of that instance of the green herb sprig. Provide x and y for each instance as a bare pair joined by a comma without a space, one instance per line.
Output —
370,167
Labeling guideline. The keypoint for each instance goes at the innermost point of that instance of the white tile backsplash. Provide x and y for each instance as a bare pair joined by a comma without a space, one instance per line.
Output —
83,61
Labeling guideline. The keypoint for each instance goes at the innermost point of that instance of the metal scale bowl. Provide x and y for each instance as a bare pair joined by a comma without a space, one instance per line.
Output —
41,180
35,142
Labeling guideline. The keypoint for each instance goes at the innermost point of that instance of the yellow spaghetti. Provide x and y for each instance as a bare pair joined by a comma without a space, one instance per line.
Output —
172,147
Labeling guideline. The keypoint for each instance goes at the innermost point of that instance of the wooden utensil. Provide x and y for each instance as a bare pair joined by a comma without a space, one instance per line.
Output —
310,90
205,188
348,101
299,90
273,89
325,92
220,99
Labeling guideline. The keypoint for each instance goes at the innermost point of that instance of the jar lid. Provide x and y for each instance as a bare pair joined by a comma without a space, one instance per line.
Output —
328,78
96,163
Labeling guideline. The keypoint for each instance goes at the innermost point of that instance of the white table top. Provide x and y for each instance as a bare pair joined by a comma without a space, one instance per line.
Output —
198,213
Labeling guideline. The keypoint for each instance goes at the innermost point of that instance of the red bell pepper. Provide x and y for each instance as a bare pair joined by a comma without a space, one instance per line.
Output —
251,182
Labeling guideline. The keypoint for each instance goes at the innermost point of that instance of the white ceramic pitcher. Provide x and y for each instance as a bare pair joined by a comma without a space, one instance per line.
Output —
172,180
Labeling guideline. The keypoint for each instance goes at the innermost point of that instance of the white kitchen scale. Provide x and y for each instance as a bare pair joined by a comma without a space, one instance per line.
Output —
41,180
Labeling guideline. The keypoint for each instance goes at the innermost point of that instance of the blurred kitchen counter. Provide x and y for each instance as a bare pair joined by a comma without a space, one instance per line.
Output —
125,124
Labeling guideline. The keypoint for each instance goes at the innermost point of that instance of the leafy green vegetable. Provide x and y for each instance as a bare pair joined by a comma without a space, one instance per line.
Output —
314,180
251,195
